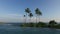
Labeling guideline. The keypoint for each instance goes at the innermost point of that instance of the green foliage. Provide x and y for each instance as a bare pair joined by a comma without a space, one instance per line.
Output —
30,15
40,24
57,26
52,23
38,12
27,10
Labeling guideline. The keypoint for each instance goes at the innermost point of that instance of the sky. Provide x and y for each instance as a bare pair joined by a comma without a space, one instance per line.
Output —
13,10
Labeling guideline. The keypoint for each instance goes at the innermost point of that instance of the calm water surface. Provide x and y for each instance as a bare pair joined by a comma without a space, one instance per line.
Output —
9,29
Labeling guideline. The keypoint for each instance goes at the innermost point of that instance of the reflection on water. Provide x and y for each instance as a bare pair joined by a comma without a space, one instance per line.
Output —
9,29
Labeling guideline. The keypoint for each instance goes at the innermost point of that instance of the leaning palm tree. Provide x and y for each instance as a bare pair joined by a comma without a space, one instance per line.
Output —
27,10
38,13
30,15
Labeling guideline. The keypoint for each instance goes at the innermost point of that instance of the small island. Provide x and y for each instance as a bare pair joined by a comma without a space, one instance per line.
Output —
50,24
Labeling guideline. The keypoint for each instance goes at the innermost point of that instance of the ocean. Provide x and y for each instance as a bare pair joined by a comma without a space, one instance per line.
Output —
12,28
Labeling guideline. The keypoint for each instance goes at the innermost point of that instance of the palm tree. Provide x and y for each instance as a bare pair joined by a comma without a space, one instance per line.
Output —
38,13
30,15
52,23
27,10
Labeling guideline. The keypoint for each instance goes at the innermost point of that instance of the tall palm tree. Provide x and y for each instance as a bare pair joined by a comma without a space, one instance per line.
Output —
27,10
38,13
30,15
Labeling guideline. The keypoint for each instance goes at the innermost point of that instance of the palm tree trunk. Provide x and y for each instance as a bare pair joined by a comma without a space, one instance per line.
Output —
26,18
35,22
30,19
39,18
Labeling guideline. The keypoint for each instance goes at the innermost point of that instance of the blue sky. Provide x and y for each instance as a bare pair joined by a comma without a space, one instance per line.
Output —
13,10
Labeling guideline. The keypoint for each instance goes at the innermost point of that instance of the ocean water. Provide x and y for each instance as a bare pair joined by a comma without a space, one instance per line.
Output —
10,29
